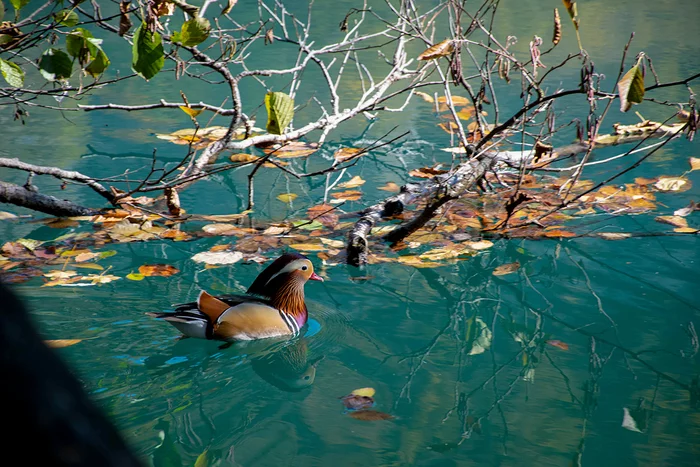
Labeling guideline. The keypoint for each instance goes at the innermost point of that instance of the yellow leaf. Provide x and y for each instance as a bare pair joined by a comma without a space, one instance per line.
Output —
391,187
308,247
673,184
685,230
242,157
366,392
93,266
426,97
101,279
504,269
287,197
349,195
441,49
694,163
60,274
676,221
29,244
354,182
190,111
59,343
135,276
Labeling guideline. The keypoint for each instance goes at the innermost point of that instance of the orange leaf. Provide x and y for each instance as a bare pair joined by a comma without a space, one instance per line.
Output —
59,343
325,214
426,172
676,221
559,234
349,195
391,187
164,270
346,154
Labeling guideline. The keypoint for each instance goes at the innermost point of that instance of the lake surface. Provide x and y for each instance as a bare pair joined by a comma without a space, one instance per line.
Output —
584,355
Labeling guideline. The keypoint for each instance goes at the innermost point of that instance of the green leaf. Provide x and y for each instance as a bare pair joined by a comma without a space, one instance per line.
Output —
66,18
12,73
18,4
631,87
55,64
194,32
280,111
81,45
148,55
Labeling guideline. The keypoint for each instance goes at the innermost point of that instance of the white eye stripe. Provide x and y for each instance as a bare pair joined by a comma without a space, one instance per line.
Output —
294,265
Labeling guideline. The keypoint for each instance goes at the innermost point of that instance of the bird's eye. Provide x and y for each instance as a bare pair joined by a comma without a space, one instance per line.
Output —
304,268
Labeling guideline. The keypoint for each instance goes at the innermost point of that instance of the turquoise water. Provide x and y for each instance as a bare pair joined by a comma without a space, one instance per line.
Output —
621,308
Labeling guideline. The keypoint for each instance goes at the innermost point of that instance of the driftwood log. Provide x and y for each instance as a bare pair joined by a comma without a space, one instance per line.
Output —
440,190
21,196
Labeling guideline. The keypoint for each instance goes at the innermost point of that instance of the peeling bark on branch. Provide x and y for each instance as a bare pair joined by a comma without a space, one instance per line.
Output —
20,196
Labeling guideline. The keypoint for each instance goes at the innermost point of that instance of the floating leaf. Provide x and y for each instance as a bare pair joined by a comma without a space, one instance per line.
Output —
287,197
93,266
55,65
688,230
148,56
280,112
349,195
370,415
218,257
163,270
306,225
325,214
7,215
346,154
614,235
504,269
101,278
13,74
367,392
558,344
242,157
307,247
219,229
29,244
480,245
426,172
354,182
291,149
441,49
694,163
676,221
673,184
60,343
82,257
332,243
391,187
693,206
357,402
60,274
631,87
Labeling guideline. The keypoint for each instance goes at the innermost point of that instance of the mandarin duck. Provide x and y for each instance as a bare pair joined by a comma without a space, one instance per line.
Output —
273,307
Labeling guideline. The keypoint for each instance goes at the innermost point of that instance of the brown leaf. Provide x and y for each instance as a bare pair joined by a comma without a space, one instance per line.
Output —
242,157
124,20
349,195
504,269
346,154
81,258
325,214
426,172
163,270
559,234
676,221
441,49
291,149
556,37
220,229
391,187
370,415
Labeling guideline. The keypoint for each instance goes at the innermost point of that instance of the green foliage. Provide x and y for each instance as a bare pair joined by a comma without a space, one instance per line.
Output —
66,18
631,86
148,55
18,4
194,32
55,64
280,111
87,49
12,73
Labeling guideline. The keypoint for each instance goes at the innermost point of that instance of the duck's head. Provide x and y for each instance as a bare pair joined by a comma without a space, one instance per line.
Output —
290,269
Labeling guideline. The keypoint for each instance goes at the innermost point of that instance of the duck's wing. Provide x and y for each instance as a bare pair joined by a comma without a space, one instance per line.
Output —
190,322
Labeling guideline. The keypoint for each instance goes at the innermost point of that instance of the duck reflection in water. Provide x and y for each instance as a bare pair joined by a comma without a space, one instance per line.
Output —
287,366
